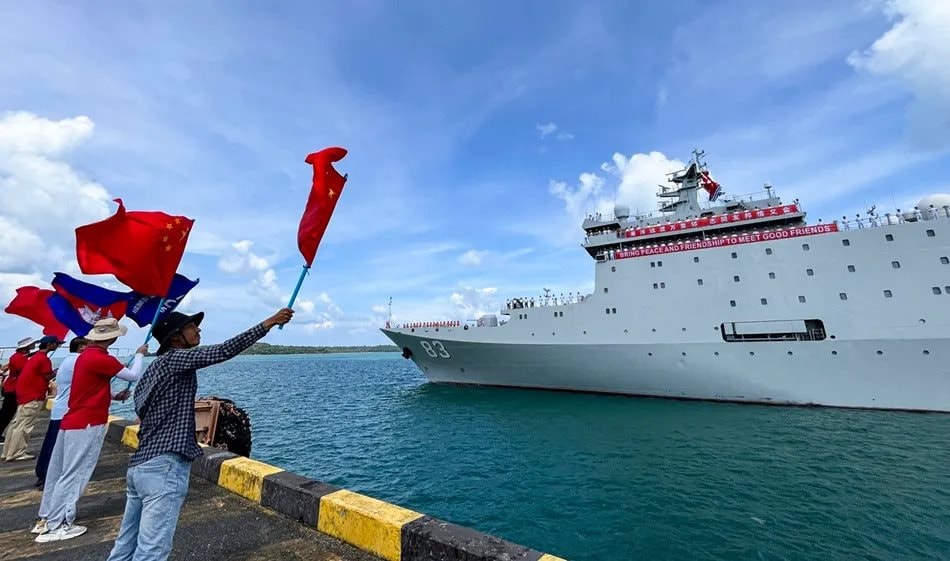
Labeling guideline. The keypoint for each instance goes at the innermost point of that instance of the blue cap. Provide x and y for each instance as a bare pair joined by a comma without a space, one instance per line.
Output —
48,340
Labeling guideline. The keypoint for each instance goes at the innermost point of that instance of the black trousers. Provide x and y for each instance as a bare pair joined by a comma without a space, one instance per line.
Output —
7,410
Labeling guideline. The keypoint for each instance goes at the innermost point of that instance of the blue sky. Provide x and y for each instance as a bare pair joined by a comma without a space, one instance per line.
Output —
479,134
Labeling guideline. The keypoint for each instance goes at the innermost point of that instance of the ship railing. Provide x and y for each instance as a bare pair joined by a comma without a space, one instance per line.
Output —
876,219
545,301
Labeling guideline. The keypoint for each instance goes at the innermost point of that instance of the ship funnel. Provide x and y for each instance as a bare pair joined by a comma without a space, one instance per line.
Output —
621,212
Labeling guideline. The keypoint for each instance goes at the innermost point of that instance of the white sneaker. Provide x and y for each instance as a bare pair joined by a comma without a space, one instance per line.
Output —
62,533
39,527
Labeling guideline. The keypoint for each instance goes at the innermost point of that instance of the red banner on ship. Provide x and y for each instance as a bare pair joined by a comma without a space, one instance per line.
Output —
722,242
705,221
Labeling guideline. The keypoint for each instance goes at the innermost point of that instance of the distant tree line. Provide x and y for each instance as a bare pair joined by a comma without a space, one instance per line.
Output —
267,349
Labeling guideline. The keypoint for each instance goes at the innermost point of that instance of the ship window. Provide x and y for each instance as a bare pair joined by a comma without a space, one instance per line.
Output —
947,289
562,314
662,285
699,282
843,295
613,269
653,264
801,299
764,301
945,260
732,303
888,294
930,233
555,314
735,255
889,237
605,290
613,310
850,268
735,278
896,264
655,285
806,247
695,259
810,272
771,275
659,263
846,242
768,251
608,310
936,289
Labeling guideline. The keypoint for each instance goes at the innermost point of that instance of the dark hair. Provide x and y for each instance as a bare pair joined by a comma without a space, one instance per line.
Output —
77,342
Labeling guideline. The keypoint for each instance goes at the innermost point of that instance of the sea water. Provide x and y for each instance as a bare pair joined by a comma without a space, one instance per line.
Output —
591,477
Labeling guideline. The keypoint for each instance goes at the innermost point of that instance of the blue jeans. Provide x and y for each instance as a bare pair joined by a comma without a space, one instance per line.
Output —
155,491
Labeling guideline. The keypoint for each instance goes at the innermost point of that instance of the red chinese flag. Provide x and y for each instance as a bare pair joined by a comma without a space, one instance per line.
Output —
30,303
142,249
326,190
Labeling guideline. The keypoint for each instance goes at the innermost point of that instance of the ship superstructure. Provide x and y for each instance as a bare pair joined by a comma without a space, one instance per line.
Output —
733,299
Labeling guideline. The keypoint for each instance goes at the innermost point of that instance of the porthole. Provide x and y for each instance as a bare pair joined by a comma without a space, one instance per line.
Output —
649,354
751,353
695,259
613,269
585,333
684,354
850,268
607,310
930,233
771,275
552,333
732,303
659,263
843,295
888,294
735,278
846,242
922,321
683,329
833,336
790,353
764,301
810,272
653,264
945,260
613,310
801,299
662,285
889,237
735,255
716,353
653,330
935,289
926,352
768,251
806,247
834,353
656,285
699,282
605,290
896,264
625,331
879,353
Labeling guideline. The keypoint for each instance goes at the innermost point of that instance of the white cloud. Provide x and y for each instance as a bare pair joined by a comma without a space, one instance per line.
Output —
916,51
564,136
42,198
637,178
472,303
546,129
472,258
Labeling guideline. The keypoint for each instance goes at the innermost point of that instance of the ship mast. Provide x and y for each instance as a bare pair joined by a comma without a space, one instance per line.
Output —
686,188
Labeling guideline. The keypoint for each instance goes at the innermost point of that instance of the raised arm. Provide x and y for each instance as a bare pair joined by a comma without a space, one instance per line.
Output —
200,357
134,372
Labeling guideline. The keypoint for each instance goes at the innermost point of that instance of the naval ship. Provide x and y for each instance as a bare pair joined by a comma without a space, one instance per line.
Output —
735,299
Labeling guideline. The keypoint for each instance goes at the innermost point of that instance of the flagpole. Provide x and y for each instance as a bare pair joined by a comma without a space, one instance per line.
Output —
293,297
148,337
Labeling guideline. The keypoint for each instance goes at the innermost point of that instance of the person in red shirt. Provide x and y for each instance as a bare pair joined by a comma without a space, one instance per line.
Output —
31,388
8,410
83,428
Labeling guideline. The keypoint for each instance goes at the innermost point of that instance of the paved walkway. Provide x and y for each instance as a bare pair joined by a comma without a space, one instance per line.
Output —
214,523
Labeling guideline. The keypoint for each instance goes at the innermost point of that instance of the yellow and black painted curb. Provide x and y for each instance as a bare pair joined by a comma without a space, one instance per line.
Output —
385,530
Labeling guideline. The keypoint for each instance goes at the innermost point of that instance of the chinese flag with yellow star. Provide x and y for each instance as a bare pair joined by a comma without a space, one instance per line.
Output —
142,249
325,192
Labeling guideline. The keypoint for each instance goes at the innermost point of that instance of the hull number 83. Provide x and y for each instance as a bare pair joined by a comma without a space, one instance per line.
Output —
435,349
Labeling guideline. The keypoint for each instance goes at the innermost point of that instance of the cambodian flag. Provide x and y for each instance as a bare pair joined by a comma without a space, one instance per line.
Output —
79,305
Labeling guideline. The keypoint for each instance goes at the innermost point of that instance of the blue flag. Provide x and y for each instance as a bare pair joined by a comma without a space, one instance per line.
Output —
79,305
142,308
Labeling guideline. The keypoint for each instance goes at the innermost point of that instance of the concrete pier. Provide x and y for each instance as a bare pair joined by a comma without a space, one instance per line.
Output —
240,508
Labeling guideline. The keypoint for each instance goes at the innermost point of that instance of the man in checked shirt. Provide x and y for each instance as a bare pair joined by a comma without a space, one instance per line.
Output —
157,481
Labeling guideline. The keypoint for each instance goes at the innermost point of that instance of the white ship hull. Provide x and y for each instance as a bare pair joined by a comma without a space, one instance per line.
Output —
900,378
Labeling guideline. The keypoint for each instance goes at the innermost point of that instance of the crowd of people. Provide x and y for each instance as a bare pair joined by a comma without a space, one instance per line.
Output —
158,474
541,301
